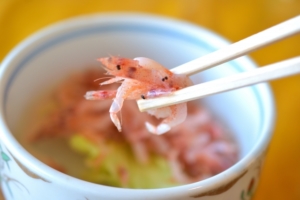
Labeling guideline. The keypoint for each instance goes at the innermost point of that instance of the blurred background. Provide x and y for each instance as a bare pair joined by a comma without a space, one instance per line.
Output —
235,20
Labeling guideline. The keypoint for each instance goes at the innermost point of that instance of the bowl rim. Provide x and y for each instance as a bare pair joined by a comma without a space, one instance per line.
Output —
82,21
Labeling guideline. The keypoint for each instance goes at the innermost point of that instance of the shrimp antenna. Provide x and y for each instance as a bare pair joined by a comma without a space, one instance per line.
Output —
121,118
102,78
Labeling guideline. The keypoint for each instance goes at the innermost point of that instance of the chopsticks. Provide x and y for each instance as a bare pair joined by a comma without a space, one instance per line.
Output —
242,47
270,72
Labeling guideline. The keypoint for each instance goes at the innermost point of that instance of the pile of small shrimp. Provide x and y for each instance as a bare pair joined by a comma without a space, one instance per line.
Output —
195,149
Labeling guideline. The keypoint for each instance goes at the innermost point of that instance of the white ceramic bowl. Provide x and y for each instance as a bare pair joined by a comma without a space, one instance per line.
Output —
42,60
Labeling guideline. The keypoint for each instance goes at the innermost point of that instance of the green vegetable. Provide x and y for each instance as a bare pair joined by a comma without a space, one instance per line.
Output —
113,163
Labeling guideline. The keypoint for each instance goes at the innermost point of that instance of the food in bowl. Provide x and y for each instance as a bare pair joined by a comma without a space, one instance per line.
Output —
37,65
196,149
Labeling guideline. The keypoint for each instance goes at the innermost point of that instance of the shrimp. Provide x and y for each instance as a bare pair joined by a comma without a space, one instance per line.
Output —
142,78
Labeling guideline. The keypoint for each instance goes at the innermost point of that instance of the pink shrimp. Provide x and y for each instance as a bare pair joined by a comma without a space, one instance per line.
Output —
142,78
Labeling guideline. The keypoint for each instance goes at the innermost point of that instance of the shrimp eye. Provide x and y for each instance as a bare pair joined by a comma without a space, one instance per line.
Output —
143,97
119,67
165,78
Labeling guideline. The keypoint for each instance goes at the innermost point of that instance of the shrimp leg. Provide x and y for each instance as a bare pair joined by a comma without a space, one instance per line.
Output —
100,94
128,90
114,109
115,106
175,115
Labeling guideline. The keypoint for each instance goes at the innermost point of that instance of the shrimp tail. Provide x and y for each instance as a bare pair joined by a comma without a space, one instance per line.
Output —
157,130
177,116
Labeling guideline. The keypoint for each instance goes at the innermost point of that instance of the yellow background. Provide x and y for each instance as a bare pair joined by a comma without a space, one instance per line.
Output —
234,19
